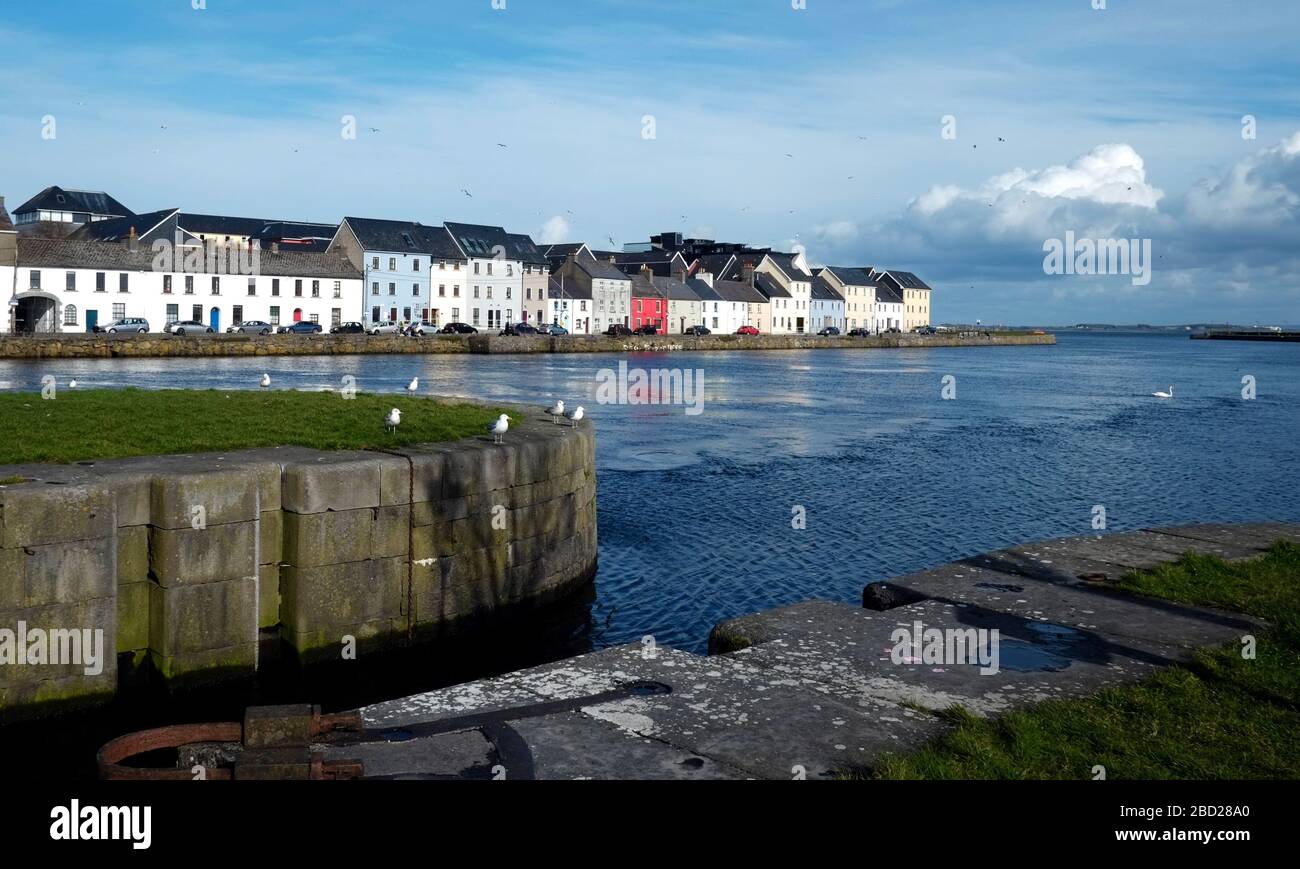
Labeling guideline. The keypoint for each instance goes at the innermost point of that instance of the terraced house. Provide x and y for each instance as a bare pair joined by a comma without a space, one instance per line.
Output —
858,289
914,294
495,276
606,293
412,272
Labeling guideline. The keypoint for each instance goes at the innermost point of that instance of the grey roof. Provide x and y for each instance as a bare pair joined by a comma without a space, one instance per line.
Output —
703,290
563,250
150,226
735,291
852,275
60,199
404,236
824,292
658,287
785,262
714,263
904,280
886,293
567,290
600,269
768,286
735,267
118,256
521,247
481,241
216,224
661,262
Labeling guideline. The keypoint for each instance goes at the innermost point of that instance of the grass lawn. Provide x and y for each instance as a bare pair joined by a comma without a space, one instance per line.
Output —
1222,717
101,424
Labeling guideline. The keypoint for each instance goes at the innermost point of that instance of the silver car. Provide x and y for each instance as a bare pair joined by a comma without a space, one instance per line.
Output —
252,327
138,325
389,328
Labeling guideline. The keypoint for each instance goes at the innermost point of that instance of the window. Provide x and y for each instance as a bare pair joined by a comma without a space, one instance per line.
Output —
216,285
374,288
189,285
489,292
315,318
442,265
528,292
455,314
336,316
69,315
476,291
196,314
489,265
455,291
508,292
475,320
275,286
237,314
392,289
119,311
35,276
392,263
510,269
476,267
417,266
70,282
315,289
442,290
167,284
252,286
173,313
275,315
455,267
374,314
297,288
338,289
415,290
99,282
406,314
374,262
123,283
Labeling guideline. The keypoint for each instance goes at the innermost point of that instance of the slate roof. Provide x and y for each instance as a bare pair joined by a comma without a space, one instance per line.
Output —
768,286
852,275
905,280
887,294
735,291
567,290
60,199
824,292
404,236
154,224
479,241
526,251
118,256
785,262
601,270
703,290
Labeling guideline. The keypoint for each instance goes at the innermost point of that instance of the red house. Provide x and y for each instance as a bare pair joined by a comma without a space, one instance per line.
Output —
649,302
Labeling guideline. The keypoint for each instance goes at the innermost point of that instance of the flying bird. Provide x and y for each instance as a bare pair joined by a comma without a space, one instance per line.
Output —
1169,394
790,155
266,381
1000,139
414,385
374,129
499,428
575,416
393,420
467,193
556,412
499,145
611,241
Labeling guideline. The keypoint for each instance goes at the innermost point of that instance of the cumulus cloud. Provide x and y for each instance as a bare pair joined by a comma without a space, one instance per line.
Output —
555,231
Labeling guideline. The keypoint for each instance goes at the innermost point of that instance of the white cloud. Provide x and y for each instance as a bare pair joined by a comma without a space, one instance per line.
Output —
555,231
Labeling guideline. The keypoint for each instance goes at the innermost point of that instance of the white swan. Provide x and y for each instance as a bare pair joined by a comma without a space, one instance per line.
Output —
499,428
266,380
1169,394
393,420
556,412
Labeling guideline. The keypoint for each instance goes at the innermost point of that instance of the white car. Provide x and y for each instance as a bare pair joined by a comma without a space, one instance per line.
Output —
384,329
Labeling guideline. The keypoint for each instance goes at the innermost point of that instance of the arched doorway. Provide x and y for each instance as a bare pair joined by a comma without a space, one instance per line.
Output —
297,315
36,314
214,319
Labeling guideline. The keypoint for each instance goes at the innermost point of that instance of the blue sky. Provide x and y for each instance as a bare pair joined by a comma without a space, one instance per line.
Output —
1123,122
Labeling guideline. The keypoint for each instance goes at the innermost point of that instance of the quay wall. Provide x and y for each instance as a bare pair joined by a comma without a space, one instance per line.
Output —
186,562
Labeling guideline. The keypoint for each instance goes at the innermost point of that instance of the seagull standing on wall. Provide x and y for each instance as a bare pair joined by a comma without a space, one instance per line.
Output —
414,385
393,420
575,417
556,412
499,428
266,381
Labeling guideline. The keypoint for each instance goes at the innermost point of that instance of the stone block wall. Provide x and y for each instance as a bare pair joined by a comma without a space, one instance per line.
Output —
185,562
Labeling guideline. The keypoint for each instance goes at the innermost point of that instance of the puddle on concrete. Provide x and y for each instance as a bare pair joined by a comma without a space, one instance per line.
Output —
1049,651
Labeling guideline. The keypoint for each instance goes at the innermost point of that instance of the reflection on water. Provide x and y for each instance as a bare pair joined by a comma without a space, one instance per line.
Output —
695,510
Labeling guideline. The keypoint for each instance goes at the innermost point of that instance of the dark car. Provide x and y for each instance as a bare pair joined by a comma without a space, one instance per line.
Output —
859,333
350,328
924,330
647,329
519,329
829,330
893,330
302,327
554,329
697,330
458,329
618,330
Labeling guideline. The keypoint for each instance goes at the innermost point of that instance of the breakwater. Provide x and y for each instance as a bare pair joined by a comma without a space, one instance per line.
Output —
181,564
160,346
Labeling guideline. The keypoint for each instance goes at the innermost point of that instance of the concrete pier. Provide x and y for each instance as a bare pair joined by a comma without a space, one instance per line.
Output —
809,690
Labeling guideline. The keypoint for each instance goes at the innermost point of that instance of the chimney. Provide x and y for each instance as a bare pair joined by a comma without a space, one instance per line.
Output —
747,273
707,277
646,271
275,247
612,260
132,242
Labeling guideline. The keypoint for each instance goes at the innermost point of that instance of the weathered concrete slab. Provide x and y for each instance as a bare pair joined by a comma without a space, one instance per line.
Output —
1257,536
34,514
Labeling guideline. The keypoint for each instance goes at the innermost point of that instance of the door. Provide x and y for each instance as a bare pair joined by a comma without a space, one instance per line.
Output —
297,315
92,320
214,319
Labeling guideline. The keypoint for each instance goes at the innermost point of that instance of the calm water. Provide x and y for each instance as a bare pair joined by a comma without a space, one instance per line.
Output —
695,511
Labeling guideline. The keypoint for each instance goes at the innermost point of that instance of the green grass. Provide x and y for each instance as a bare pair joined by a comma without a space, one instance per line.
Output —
1222,717
99,424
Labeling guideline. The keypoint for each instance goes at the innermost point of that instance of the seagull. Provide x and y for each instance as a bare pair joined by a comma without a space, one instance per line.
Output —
72,384
393,420
374,129
575,416
413,385
467,193
1169,394
556,412
790,155
499,428
1000,139
499,145
611,241
266,381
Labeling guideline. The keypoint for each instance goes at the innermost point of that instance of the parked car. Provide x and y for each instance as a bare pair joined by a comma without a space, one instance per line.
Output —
188,327
302,327
746,330
424,327
829,331
893,330
458,329
519,329
924,330
389,328
647,329
618,330
697,330
138,325
349,328
553,329
251,327
859,332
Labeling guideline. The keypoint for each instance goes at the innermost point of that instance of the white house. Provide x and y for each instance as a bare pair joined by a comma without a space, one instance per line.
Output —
791,314
891,309
412,272
858,288
494,281
826,306
74,286
739,305
571,305
607,289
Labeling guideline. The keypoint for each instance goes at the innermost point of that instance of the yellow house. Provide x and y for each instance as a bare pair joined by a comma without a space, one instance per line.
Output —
916,297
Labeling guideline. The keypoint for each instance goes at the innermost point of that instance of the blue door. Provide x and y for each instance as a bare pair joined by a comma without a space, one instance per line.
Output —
215,320
92,320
